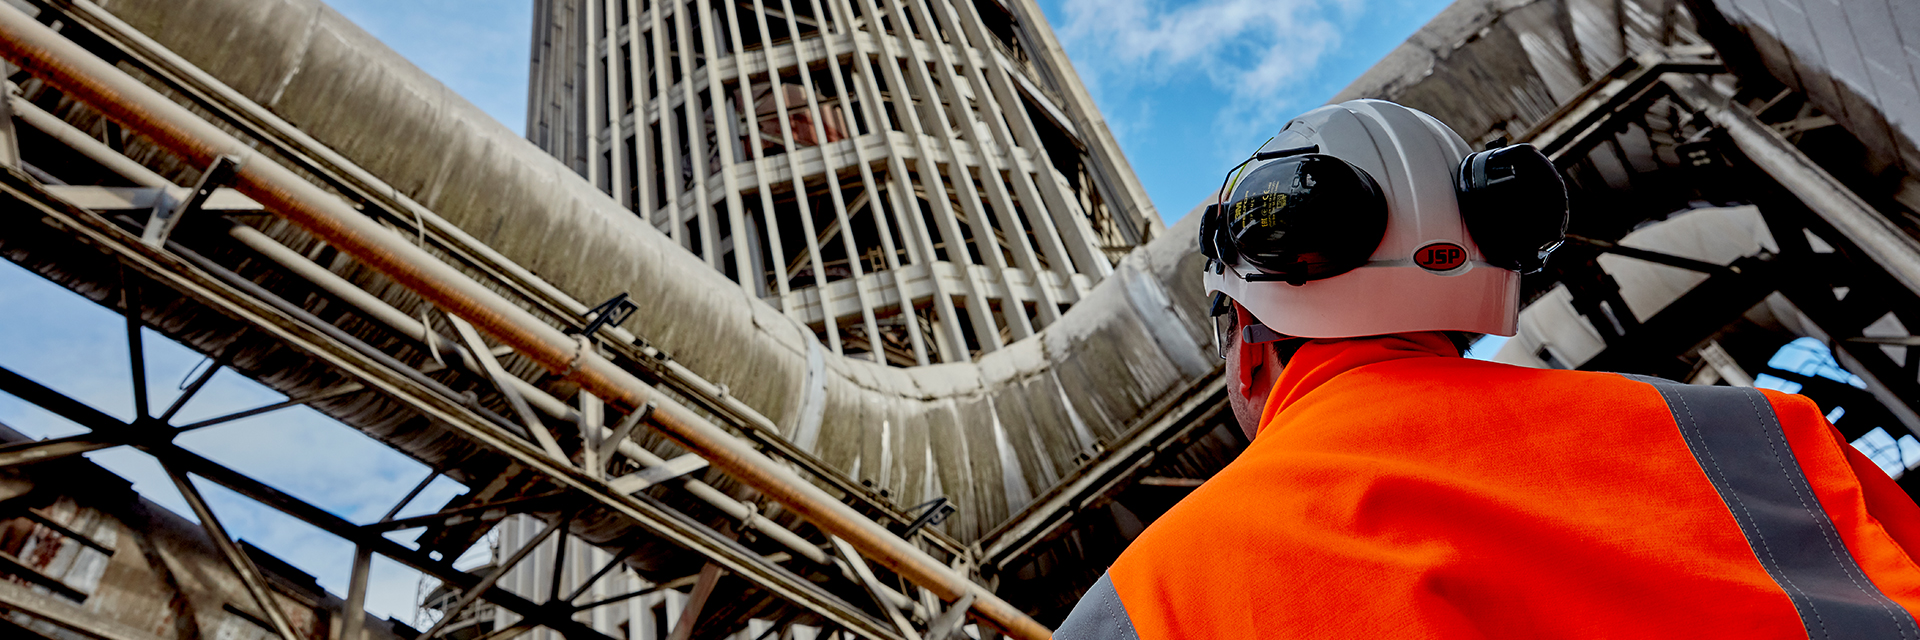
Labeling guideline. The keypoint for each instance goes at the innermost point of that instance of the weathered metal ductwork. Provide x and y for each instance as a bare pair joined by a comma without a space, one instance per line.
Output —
989,435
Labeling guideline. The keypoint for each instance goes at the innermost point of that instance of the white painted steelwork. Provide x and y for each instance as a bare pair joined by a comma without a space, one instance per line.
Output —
884,171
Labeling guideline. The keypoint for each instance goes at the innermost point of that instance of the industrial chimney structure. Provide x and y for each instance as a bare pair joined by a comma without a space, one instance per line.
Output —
917,181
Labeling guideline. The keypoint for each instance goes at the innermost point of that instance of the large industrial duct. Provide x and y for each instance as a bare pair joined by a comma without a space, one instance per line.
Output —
990,435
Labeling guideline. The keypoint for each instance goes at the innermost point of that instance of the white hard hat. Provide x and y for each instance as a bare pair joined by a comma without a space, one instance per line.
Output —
1370,218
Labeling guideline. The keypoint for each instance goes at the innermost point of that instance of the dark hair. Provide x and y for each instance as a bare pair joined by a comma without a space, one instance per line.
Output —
1462,340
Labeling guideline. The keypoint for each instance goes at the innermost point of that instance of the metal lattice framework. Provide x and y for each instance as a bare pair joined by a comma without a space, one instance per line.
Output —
591,477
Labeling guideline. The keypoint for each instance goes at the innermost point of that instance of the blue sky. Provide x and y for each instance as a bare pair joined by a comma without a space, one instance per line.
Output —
1187,87
1190,88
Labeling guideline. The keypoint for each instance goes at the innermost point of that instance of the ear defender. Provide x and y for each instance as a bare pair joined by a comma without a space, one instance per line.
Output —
1215,242
1302,218
1514,205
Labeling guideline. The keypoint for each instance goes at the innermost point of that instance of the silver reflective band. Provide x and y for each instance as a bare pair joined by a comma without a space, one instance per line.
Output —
1737,440
1099,616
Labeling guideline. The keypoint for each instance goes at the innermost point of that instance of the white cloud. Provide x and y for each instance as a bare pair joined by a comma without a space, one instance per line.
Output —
1254,52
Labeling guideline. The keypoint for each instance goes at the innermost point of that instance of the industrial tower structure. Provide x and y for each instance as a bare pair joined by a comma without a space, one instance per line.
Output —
835,157
846,152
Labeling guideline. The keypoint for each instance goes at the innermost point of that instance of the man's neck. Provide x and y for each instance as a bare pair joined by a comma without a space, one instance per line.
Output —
1320,360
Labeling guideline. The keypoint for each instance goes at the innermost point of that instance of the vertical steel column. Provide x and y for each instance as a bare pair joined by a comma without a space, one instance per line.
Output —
1011,307
770,224
1075,237
877,126
594,77
831,178
609,74
669,150
797,178
354,614
977,292
723,139
642,147
696,132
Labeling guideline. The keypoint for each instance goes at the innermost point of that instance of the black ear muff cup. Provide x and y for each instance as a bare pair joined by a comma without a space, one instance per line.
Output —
1214,241
1305,217
1514,204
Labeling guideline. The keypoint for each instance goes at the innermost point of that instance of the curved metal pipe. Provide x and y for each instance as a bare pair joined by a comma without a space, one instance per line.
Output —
63,64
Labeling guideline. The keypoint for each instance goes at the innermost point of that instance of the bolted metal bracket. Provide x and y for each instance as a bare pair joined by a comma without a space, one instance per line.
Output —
167,213
680,466
936,512
614,311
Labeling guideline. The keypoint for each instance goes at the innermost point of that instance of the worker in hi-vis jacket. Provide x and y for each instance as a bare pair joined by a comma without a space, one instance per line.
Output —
1396,489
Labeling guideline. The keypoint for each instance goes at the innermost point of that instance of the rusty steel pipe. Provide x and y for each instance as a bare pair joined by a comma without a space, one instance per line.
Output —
42,52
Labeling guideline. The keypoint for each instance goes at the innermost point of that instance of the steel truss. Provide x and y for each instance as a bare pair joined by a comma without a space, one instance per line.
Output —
1732,147
821,580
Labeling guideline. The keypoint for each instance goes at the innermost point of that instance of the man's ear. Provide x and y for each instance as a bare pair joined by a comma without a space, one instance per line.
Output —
1252,357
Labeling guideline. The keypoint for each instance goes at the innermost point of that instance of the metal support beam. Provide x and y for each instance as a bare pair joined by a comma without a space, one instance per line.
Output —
679,466
473,513
947,626
702,589
484,354
1884,242
874,587
675,583
1655,257
1685,322
187,392
44,450
9,140
167,214
351,387
354,614
624,430
189,462
559,559
243,568
415,493
592,415
597,575
471,594
136,349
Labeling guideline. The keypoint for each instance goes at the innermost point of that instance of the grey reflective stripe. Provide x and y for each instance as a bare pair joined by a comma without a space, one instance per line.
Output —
1099,616
1737,440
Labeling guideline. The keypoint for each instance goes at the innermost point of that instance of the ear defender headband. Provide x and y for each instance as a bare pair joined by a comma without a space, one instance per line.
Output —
1311,216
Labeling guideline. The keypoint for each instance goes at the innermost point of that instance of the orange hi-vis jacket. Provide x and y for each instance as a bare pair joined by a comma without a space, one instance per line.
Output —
1396,490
